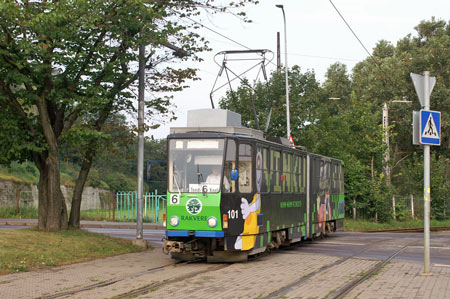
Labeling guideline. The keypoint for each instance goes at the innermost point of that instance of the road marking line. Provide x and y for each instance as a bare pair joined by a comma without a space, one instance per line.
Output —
432,247
337,243
441,265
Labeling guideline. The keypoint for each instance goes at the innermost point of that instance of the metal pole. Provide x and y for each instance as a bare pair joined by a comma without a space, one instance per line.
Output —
426,183
278,53
140,159
286,74
387,169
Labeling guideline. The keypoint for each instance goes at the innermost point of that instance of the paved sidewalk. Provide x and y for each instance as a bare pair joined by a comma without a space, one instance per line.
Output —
404,280
46,282
255,279
84,223
258,278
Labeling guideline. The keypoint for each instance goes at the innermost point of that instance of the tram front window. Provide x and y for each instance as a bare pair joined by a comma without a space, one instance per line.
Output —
195,165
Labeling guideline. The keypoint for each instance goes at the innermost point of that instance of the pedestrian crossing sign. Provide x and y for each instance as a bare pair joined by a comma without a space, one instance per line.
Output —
430,127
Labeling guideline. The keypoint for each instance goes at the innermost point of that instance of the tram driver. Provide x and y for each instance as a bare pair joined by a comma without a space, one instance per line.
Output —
214,178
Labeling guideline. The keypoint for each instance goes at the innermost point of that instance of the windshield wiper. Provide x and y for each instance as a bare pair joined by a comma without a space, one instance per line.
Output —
199,176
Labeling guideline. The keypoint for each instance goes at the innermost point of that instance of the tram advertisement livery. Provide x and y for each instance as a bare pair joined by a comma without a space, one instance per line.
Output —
232,193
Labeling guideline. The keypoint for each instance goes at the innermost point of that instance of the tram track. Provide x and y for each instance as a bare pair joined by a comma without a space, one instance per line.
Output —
103,284
110,282
410,230
349,286
146,289
142,290
340,293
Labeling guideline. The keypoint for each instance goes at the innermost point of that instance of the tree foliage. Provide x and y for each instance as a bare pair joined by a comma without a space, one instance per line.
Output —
67,66
342,118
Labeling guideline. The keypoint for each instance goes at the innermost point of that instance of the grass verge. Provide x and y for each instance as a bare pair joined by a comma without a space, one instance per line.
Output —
364,225
29,249
93,215
22,213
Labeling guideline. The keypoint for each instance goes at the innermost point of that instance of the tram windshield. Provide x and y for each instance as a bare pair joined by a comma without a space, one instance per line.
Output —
195,165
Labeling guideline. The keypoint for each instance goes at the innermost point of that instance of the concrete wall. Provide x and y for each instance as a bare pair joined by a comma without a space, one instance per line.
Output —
93,198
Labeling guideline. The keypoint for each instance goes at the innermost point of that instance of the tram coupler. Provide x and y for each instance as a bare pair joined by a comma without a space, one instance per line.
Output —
173,246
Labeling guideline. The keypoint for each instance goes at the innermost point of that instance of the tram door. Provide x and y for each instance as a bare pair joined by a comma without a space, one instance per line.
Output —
315,167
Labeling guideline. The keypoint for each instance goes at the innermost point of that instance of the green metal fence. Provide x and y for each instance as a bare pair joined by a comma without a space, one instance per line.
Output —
154,206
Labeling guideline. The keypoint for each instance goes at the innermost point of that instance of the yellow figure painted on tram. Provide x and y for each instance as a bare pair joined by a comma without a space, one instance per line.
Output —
250,211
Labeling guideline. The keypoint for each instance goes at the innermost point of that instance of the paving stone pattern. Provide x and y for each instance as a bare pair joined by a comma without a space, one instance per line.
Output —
59,279
254,279
403,280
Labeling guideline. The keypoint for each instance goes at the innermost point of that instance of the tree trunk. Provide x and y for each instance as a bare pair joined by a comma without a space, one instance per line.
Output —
52,207
74,220
354,209
372,169
84,172
393,208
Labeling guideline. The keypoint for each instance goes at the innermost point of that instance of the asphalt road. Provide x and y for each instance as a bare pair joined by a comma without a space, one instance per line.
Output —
151,235
339,244
12,227
347,243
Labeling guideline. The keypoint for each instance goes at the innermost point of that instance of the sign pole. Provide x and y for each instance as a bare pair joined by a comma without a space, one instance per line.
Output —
426,183
426,131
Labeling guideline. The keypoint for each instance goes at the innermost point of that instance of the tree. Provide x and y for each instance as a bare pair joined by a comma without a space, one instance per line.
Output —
389,80
304,98
337,86
71,63
344,128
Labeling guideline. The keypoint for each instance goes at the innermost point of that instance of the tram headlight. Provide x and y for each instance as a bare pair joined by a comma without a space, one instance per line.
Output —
174,221
212,221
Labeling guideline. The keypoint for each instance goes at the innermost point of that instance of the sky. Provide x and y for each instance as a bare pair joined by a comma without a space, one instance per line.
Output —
316,38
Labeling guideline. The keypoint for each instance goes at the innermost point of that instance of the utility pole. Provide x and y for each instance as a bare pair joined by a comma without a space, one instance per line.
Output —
387,155
288,128
278,53
140,241
387,169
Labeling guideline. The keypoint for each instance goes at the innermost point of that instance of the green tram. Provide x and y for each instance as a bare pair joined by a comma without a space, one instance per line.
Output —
233,193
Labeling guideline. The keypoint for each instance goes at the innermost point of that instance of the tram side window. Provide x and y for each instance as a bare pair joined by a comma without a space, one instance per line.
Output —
287,172
262,169
325,175
266,173
230,164
328,175
320,174
296,174
341,179
303,175
245,168
335,178
275,169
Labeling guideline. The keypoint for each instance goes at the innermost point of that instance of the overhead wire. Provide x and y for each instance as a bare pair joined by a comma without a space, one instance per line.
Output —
271,62
353,32
216,32
378,64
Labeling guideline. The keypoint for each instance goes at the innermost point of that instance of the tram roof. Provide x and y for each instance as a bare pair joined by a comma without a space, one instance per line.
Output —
215,132
234,131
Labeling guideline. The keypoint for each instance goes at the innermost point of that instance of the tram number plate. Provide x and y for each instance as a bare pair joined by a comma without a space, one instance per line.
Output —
233,214
174,199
